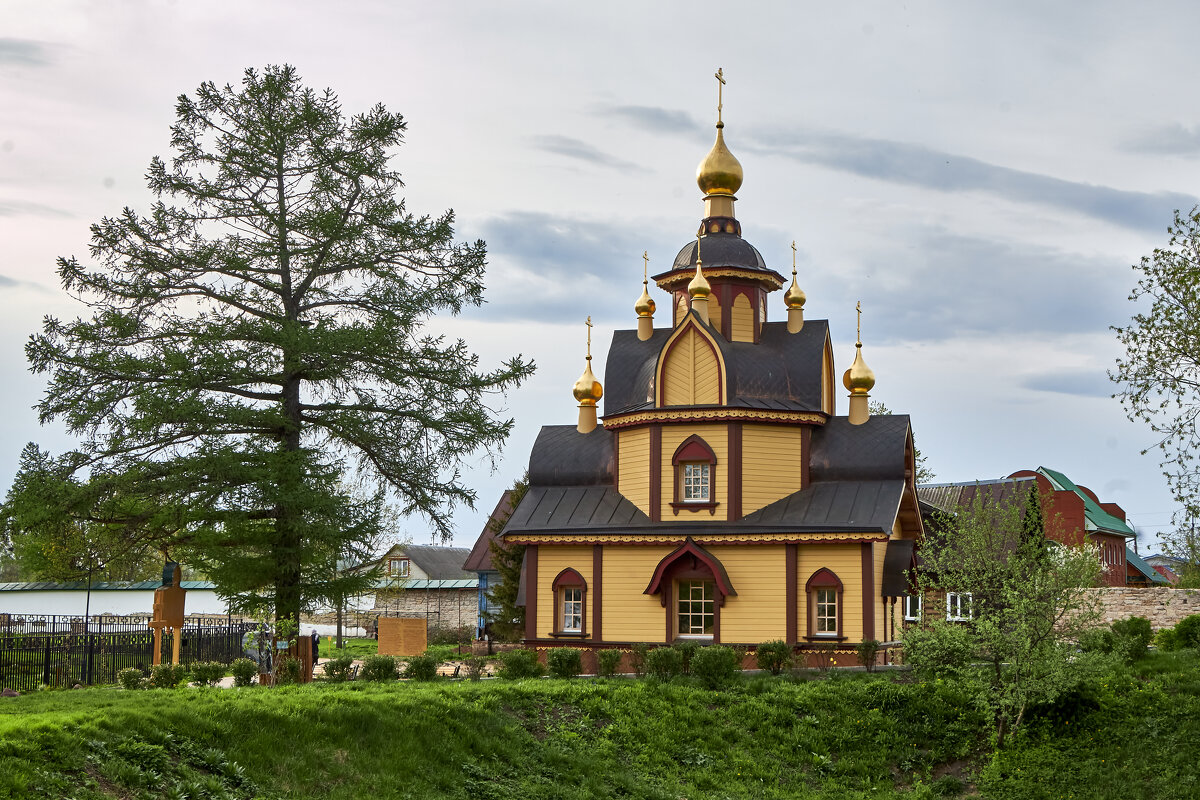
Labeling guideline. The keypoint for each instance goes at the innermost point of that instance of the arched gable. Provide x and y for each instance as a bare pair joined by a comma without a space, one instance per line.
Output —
689,558
828,396
569,577
741,322
690,369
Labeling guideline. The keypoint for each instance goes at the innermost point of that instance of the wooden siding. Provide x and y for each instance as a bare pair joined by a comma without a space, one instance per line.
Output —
742,320
828,395
772,464
633,469
691,375
845,561
881,629
553,559
758,613
629,615
714,311
717,437
681,308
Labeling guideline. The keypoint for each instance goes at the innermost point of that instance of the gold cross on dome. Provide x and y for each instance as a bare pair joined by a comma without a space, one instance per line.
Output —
720,76
793,258
858,307
645,265
589,337
698,261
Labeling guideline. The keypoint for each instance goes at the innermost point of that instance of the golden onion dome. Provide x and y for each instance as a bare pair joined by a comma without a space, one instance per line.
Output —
719,172
859,379
645,304
699,287
587,389
794,297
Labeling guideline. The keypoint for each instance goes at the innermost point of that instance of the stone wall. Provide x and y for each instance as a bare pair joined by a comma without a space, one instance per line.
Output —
442,608
1162,606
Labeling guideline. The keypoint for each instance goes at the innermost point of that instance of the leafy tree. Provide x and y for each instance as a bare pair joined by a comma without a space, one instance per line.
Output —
1184,543
924,473
1029,602
1159,376
508,622
255,345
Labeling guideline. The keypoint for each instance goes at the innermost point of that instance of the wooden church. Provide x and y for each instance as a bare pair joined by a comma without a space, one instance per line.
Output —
720,496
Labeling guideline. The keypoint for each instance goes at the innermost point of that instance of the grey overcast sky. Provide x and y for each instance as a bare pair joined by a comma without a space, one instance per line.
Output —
980,175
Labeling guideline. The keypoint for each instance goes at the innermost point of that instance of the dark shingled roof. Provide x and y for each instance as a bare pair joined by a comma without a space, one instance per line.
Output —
782,371
562,456
897,559
480,559
721,250
572,507
439,563
866,506
872,451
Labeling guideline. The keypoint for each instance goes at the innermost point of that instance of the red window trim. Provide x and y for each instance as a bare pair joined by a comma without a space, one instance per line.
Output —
569,578
694,450
823,578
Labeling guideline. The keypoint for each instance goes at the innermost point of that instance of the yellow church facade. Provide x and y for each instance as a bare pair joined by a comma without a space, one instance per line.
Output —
720,497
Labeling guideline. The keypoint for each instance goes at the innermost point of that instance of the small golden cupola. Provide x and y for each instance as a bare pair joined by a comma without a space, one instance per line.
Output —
587,390
645,304
720,173
859,379
794,299
699,288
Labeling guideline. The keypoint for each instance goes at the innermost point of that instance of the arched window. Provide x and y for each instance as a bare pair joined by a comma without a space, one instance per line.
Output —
824,590
692,586
695,467
570,603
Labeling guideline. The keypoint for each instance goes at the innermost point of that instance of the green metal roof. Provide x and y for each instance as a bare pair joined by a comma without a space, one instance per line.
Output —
98,586
1100,519
421,583
1141,566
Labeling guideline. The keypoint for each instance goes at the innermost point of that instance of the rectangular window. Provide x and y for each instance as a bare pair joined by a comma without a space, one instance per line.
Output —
695,483
827,612
912,608
958,606
572,609
695,608
398,567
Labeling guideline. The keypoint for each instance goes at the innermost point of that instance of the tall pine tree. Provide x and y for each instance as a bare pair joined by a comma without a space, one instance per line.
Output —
254,371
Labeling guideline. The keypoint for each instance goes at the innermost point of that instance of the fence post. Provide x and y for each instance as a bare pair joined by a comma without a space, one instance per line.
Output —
46,665
90,651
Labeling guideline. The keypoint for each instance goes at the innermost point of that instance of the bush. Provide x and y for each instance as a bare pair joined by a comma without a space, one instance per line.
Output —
244,670
565,662
1097,640
379,668
608,662
167,676
774,656
518,664
715,666
288,670
337,669
686,648
475,667
460,635
637,658
867,652
821,656
131,678
941,650
664,663
421,668
1131,637
1188,632
208,673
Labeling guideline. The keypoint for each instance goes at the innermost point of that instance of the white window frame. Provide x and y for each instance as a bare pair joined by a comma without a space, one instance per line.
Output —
827,622
398,567
697,482
707,604
572,609
954,606
909,616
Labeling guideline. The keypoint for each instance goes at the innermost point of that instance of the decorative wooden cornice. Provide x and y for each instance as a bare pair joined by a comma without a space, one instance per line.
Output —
676,414
675,539
770,280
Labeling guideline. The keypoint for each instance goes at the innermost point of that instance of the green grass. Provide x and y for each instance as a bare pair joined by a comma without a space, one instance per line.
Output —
354,647
851,736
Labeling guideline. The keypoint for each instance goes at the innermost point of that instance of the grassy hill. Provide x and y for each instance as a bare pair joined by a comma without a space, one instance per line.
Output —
1133,734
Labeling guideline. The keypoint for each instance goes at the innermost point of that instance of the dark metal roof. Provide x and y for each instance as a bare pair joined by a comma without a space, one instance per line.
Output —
480,559
721,250
897,559
781,371
439,563
872,451
573,507
562,456
866,506
950,497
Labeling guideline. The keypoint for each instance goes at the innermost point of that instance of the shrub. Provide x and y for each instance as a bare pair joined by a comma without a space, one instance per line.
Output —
664,663
1188,632
208,673
337,669
131,678
475,667
461,635
608,662
379,668
167,676
1097,640
244,670
637,658
941,650
1131,637
774,656
565,662
288,670
715,666
421,668
518,664
867,652
686,648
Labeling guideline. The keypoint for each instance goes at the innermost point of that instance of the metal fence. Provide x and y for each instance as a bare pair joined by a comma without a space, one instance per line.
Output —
57,650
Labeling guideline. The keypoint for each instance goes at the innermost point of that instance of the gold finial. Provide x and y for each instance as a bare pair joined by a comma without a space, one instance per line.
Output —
857,333
794,297
719,173
589,333
587,389
699,287
645,304
859,379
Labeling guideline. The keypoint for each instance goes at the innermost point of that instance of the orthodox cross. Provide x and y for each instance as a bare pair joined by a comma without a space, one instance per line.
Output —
720,76
645,265
793,258
589,337
858,307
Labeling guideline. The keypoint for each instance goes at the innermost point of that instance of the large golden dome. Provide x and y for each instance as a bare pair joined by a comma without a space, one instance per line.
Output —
587,389
859,379
719,172
645,304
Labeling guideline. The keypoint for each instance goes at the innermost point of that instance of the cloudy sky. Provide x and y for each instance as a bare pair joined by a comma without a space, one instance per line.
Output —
980,176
